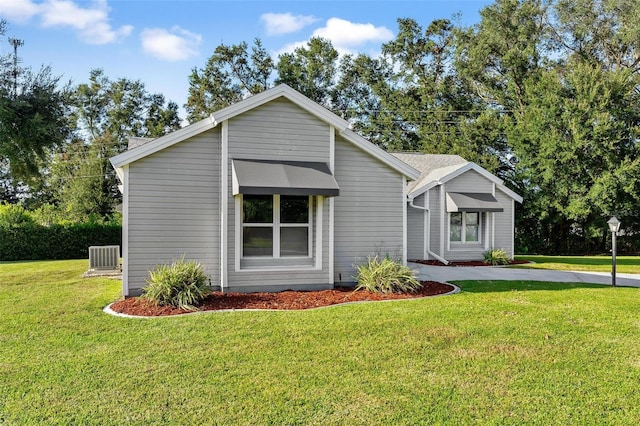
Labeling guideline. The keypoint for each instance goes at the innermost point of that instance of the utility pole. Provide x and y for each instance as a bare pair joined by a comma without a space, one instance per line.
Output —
15,42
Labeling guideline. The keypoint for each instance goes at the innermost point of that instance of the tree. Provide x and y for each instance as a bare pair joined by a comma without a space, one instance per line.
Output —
505,50
365,97
311,70
578,149
231,74
32,117
563,75
598,31
105,114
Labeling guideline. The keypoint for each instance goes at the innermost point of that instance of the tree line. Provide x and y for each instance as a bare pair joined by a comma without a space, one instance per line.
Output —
543,93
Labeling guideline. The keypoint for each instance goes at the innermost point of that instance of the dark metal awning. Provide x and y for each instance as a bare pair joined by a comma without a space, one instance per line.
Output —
472,202
262,177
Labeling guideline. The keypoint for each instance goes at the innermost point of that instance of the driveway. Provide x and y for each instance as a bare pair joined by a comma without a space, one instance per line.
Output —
451,273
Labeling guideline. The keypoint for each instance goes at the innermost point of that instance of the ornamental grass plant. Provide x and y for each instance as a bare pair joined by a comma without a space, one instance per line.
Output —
183,284
386,276
496,257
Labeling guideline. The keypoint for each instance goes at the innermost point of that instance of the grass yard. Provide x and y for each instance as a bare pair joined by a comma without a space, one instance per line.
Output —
624,264
497,353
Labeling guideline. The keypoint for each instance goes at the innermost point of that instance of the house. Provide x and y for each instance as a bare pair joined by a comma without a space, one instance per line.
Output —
272,193
457,210
276,192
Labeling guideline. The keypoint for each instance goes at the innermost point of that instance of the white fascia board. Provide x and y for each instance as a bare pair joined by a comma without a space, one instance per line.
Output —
418,192
510,193
380,154
463,169
162,142
120,174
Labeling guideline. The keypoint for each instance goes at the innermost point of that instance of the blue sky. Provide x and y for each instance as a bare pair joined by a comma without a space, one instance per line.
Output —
160,41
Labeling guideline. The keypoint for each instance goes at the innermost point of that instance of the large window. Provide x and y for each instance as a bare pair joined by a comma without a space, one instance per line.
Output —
464,227
275,226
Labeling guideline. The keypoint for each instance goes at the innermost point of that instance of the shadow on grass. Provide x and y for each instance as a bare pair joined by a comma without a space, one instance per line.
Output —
502,286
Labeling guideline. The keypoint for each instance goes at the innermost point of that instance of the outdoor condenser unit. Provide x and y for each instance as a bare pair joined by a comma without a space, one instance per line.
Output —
104,258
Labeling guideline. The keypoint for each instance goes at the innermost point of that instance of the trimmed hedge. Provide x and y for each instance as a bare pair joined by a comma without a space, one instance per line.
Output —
37,242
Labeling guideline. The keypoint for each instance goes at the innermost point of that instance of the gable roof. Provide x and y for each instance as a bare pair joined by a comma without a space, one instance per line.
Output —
282,91
437,169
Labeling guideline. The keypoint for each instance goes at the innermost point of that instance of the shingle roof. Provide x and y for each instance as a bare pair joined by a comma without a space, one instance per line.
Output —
432,167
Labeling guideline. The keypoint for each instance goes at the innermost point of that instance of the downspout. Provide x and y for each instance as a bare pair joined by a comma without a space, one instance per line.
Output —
440,258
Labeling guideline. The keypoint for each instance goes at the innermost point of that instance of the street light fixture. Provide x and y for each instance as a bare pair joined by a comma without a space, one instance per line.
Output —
614,226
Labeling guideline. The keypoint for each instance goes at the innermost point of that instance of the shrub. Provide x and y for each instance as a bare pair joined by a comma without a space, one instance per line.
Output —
37,242
496,257
183,284
13,215
386,276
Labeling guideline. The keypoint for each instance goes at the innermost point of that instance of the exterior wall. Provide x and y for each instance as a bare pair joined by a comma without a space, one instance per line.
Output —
369,214
278,130
173,208
470,251
504,224
500,237
415,229
470,181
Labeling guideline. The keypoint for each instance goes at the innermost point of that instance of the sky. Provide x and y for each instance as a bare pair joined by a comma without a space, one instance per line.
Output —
160,42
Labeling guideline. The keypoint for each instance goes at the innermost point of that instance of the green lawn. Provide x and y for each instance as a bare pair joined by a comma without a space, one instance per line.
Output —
625,264
497,353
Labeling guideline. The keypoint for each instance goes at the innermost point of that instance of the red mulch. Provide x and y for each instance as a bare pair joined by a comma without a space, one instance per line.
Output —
285,300
465,263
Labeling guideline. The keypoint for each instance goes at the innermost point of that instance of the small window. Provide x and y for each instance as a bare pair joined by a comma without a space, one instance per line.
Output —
275,226
464,227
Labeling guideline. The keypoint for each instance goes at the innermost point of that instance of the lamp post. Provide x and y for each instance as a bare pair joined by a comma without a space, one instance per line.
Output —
614,226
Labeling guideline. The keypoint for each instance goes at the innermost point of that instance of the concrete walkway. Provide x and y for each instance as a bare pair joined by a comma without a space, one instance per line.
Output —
450,273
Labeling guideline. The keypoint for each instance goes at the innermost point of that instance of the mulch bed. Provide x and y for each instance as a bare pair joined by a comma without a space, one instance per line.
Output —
466,263
285,300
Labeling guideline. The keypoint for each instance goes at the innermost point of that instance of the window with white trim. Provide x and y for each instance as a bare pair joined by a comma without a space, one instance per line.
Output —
464,227
276,226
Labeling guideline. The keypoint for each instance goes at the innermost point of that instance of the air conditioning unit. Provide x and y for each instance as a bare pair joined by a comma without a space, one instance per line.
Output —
104,258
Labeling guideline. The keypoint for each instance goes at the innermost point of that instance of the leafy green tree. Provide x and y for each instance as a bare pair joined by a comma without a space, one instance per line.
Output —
231,74
578,150
32,118
365,96
605,32
105,113
311,70
504,50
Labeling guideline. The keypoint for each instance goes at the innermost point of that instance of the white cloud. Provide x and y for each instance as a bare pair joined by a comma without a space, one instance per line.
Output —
290,48
346,35
285,23
91,23
176,44
19,10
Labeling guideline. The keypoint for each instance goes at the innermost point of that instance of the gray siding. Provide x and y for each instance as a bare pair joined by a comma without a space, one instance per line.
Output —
278,130
415,229
470,181
369,211
504,224
174,208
